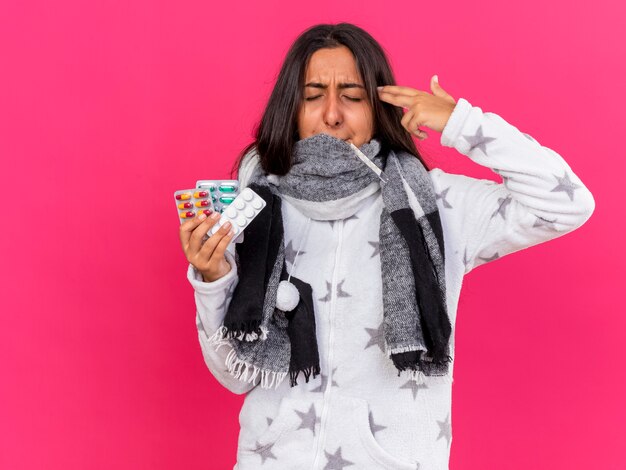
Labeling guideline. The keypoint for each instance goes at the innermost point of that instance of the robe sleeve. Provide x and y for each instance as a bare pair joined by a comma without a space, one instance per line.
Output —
212,301
540,197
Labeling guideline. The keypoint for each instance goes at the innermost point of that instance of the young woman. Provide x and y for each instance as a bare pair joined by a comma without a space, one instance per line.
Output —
351,274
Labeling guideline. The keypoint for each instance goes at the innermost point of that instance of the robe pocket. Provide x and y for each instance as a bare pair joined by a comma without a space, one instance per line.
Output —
283,429
358,410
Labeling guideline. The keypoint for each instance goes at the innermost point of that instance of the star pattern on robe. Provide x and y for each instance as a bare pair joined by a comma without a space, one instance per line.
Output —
332,222
336,461
290,253
264,451
478,140
309,419
376,246
566,185
443,196
321,387
445,430
541,222
340,292
493,257
414,387
377,337
375,427
503,203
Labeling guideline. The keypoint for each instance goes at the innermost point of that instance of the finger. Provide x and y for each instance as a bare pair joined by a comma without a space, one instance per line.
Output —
187,227
222,245
399,90
413,127
406,119
207,250
200,231
411,123
403,101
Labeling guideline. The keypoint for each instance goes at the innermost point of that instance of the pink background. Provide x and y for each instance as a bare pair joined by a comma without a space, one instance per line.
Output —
108,107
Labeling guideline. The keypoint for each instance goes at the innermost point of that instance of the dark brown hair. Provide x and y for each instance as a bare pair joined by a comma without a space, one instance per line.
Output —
277,131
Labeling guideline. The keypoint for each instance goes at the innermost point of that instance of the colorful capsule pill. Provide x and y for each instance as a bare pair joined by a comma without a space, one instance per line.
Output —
183,196
185,205
204,211
187,215
227,188
227,199
202,203
199,194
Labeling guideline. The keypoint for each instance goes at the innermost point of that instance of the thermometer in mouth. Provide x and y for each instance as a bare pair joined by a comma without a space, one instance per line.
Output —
367,161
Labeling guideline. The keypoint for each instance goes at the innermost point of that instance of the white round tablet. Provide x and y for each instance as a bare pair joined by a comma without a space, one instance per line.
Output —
248,195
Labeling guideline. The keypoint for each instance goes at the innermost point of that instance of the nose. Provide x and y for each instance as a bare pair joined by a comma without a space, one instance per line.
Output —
333,114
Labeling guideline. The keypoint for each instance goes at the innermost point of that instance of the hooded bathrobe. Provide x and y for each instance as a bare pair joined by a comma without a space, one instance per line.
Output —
359,414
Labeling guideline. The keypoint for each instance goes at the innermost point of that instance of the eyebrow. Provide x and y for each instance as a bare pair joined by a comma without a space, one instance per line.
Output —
341,86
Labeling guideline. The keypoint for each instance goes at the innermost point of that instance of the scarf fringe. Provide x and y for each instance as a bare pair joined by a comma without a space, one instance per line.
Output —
293,375
402,349
223,333
242,370
251,330
413,371
419,377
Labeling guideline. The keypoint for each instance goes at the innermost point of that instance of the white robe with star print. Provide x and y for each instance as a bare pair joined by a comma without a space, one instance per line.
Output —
359,414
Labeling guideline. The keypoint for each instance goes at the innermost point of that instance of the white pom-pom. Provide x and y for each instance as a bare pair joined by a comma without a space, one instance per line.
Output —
287,297
274,179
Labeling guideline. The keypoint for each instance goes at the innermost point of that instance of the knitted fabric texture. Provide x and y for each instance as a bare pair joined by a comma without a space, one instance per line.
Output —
325,172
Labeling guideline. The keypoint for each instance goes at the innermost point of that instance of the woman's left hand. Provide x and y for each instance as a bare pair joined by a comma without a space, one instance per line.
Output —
423,109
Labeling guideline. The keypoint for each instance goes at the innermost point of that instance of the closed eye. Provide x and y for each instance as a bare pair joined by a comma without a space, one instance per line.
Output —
316,97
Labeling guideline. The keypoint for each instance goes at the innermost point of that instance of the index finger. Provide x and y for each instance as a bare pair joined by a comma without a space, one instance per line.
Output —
403,101
399,90
189,226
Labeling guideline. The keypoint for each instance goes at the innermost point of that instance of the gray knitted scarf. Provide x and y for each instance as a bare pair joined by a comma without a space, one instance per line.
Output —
269,342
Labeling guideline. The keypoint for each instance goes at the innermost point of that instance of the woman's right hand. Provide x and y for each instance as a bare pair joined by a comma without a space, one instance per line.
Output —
208,257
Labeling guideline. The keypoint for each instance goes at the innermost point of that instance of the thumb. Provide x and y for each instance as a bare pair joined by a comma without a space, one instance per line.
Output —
437,90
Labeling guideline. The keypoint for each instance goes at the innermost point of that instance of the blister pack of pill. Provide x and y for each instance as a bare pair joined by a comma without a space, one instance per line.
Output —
192,202
240,212
220,196
223,192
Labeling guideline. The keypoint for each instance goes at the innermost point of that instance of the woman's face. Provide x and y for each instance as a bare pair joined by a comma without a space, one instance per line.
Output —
335,101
